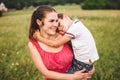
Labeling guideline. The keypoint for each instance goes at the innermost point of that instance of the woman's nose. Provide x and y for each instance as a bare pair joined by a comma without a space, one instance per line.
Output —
55,23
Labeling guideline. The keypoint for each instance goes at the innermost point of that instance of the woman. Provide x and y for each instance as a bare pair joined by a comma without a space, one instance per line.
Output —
51,62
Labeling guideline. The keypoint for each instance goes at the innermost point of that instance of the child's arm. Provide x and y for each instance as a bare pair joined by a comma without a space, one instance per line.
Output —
52,43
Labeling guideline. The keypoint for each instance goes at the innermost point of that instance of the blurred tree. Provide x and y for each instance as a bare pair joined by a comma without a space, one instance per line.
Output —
101,4
86,4
75,1
93,4
112,4
17,4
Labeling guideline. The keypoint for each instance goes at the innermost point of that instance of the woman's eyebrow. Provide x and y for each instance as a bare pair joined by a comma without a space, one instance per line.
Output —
53,20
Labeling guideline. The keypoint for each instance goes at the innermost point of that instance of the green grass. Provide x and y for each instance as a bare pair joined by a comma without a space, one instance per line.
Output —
16,62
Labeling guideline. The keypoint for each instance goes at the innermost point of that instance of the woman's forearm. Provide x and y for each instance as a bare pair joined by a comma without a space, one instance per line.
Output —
59,76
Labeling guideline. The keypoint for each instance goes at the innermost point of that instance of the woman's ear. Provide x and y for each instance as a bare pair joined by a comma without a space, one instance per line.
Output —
39,22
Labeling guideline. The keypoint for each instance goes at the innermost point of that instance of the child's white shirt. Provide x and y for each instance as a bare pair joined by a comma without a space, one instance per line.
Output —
83,43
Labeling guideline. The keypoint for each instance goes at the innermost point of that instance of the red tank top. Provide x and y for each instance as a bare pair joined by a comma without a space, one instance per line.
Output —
59,61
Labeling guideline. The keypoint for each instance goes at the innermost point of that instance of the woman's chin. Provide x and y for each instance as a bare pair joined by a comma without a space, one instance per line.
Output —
53,33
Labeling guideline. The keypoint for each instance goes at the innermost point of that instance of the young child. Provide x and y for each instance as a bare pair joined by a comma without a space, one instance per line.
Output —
83,44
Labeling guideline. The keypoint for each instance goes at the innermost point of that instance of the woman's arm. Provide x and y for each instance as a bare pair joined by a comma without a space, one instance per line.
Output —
52,43
51,74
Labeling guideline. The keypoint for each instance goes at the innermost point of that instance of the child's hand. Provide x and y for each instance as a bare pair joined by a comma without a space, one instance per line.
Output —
61,31
36,35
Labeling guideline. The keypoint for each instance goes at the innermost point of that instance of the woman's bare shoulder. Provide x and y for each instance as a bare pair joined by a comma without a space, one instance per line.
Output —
30,44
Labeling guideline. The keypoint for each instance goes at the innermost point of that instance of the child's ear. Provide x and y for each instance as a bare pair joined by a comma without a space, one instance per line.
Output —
39,22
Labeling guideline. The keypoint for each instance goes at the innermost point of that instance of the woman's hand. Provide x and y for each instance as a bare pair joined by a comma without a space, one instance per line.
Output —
90,73
80,75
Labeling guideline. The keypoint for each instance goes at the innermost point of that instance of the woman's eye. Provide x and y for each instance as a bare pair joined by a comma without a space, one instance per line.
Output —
52,21
56,20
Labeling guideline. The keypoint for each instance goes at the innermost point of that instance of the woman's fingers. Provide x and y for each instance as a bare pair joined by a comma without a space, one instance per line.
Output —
90,73
81,75
81,71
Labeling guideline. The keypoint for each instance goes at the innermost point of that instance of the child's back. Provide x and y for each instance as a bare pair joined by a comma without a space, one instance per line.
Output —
83,43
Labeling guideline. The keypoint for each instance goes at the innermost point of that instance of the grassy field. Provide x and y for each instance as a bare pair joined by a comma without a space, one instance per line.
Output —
16,62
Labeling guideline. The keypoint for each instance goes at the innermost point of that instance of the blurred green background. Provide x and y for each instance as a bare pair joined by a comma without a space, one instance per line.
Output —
15,59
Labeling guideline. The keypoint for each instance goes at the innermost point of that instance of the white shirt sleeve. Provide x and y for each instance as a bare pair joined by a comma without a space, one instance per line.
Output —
74,29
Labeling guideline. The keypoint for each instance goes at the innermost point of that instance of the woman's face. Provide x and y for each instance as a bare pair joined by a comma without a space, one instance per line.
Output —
50,24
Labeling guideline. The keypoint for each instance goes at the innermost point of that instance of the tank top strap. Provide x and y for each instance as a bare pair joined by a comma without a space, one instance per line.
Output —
35,43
